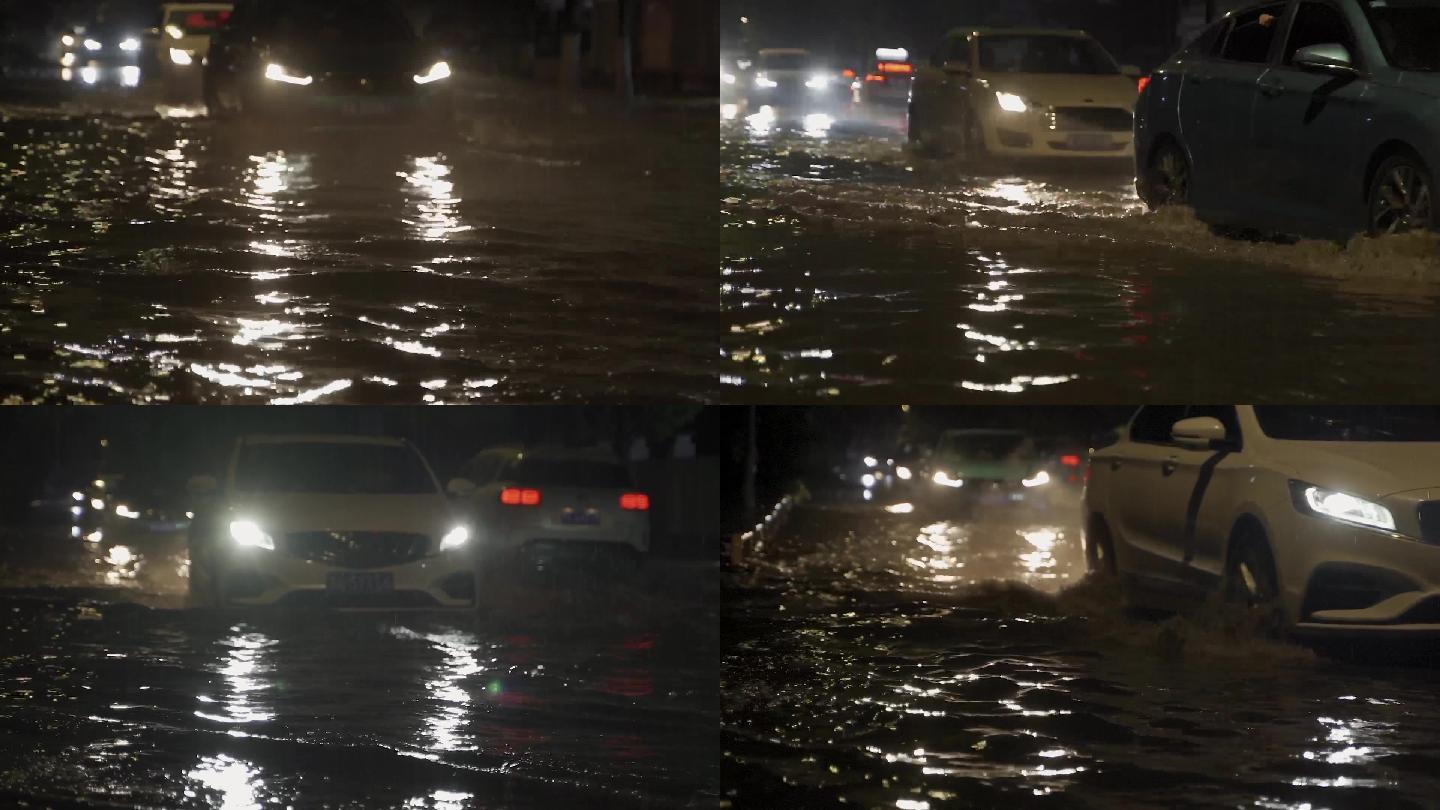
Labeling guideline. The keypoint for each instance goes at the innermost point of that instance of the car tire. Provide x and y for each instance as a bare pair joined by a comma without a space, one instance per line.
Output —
1100,549
1401,197
1250,578
1166,180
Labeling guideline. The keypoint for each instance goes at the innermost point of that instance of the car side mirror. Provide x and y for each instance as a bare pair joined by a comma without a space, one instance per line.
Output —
1132,71
1330,57
461,487
1198,432
202,485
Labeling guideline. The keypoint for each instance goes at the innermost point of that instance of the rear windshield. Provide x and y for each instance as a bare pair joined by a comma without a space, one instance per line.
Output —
1044,54
1408,32
566,473
1350,423
983,445
785,61
197,22
332,469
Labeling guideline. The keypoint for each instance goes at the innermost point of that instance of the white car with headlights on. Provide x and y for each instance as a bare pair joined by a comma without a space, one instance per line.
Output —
1328,517
328,521
1024,93
544,505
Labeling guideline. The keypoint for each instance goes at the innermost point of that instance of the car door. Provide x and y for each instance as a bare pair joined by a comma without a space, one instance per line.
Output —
1178,502
944,84
1135,473
1307,123
1217,99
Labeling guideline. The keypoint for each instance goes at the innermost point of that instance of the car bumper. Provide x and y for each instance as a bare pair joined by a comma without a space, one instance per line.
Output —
269,578
1028,135
1343,580
273,99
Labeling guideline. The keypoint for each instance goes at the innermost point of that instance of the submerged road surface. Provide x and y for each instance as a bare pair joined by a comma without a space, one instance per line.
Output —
856,270
921,662
169,257
580,694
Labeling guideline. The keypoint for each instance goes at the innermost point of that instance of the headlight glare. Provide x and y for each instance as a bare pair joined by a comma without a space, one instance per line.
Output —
180,57
944,480
277,73
437,71
455,538
818,82
248,533
92,45
1344,507
902,472
765,82
1039,479
1009,102
130,44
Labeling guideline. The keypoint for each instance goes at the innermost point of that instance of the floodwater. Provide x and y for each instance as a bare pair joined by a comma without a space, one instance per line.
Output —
113,693
922,662
856,270
151,254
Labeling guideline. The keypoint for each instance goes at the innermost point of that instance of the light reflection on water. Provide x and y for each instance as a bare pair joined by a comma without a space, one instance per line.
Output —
237,781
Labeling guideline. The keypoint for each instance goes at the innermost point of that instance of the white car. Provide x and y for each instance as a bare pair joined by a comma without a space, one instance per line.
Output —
990,467
542,504
1327,515
186,30
328,521
1024,93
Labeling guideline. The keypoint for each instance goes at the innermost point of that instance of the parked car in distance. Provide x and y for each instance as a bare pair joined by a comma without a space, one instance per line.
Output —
1309,117
328,521
1327,517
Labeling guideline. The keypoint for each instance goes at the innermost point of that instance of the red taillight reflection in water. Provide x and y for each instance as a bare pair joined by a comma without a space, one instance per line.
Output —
515,496
635,501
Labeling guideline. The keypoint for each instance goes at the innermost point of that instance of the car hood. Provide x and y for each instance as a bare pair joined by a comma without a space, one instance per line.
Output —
1066,90
1367,469
278,514
321,56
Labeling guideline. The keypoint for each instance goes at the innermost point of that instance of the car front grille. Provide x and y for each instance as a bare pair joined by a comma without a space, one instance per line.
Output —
1430,522
357,549
1091,119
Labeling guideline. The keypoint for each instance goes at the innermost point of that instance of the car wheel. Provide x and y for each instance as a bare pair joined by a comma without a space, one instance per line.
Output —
1400,197
1250,578
1167,177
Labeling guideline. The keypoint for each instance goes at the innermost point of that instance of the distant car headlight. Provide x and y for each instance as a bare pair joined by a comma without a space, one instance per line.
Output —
944,480
96,503
765,82
278,73
867,480
1009,102
437,71
727,78
175,32
180,56
130,44
92,45
67,40
871,461
1343,507
455,538
1040,479
903,473
126,512
247,533
817,82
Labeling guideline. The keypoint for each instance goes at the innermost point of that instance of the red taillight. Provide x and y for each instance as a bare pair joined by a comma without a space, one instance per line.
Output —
1144,81
515,496
874,77
635,501
896,67
848,73
1070,461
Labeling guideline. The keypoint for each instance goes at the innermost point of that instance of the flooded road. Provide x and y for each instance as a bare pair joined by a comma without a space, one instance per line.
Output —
920,662
112,692
151,258
857,270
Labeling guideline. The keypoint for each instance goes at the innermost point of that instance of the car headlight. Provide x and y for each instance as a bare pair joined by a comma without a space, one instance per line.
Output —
867,480
902,472
727,78
817,82
455,538
278,73
247,533
1009,102
1341,506
765,82
437,71
944,480
126,512
92,45
1040,479
67,40
130,44
175,32
180,56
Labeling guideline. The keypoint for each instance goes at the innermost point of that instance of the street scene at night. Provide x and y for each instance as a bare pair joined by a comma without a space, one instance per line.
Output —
1057,201
510,607
1180,606
397,201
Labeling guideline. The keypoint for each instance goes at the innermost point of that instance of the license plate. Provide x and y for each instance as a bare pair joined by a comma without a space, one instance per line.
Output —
574,518
1090,141
358,582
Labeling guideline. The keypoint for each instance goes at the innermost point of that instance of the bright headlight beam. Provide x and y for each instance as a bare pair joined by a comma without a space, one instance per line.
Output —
92,45
247,533
817,82
175,32
130,44
902,472
945,480
126,512
455,538
180,57
1040,479
1349,508
1009,102
437,71
277,73
765,82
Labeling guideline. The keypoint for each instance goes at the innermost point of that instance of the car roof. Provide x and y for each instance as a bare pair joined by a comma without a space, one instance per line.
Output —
322,438
1031,32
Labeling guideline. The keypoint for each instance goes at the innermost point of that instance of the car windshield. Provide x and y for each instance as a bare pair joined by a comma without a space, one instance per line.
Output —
1350,423
785,61
982,445
1044,54
567,473
192,21
1408,32
343,20
332,469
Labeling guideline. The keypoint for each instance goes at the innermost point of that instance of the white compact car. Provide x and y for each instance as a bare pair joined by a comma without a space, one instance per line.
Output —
1329,515
328,521
540,505
1024,93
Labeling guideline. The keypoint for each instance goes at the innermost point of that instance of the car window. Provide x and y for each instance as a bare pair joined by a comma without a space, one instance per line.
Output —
1209,40
1252,35
1407,33
566,473
1044,54
332,469
1153,423
1319,24
1350,423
